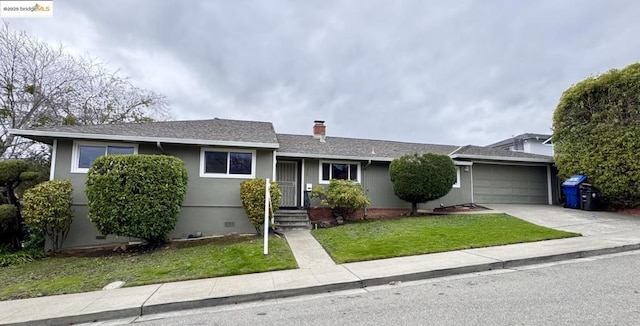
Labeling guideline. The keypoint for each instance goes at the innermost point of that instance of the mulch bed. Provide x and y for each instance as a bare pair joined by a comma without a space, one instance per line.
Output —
460,208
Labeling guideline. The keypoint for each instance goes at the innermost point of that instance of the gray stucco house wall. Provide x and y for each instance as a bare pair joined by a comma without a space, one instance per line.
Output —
211,206
212,203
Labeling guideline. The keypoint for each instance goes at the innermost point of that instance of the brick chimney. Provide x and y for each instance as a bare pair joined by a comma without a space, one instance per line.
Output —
319,130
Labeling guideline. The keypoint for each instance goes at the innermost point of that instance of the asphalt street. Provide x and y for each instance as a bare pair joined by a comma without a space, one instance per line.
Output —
603,290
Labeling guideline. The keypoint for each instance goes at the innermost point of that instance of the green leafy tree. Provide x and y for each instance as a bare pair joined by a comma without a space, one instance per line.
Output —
344,197
47,207
422,178
252,197
136,195
12,174
596,131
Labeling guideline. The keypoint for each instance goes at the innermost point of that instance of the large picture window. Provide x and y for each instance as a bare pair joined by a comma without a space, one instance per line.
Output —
339,170
84,153
223,163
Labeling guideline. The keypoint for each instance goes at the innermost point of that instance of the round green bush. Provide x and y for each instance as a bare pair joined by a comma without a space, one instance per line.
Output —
10,170
136,196
47,207
8,215
344,197
252,197
422,178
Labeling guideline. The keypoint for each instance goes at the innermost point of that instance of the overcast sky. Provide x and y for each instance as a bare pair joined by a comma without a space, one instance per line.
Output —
446,72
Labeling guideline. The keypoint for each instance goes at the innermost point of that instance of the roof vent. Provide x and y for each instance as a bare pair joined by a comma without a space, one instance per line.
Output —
319,130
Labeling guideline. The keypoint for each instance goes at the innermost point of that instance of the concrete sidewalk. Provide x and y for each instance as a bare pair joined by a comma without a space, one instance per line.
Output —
604,233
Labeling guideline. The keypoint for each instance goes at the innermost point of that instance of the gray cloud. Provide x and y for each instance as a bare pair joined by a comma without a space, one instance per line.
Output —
472,72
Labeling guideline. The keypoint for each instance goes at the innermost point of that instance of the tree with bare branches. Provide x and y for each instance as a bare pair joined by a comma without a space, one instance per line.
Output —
44,85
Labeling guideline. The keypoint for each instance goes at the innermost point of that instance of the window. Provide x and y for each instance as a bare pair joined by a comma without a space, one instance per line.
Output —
339,170
224,163
457,184
84,153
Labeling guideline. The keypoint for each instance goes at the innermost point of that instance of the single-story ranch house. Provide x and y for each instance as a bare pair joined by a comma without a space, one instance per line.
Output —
219,154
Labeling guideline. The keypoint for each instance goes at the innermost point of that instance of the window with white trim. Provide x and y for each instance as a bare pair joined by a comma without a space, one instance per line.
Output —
339,170
457,184
227,163
84,153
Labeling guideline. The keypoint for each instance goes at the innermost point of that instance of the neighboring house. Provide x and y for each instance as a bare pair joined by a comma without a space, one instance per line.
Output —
219,154
527,143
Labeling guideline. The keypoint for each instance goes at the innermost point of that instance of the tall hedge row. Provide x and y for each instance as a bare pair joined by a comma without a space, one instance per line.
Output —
596,131
136,195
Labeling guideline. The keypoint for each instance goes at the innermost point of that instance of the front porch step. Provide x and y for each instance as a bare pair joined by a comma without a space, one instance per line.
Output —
290,219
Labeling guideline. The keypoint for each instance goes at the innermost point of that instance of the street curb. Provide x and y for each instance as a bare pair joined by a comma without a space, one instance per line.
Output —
84,318
327,288
218,301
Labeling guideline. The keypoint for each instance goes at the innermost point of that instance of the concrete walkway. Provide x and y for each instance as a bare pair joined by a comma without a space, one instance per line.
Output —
308,252
603,233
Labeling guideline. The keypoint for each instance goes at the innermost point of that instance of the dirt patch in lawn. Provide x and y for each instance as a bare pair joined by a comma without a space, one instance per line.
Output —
139,248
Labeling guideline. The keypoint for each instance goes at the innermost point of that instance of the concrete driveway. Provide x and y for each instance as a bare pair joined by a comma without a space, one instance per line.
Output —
586,223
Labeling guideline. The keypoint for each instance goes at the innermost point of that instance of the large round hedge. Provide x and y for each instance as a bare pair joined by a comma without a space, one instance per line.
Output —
136,195
422,178
596,131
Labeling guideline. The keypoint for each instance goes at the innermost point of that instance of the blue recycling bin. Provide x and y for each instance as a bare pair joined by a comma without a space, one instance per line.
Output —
571,190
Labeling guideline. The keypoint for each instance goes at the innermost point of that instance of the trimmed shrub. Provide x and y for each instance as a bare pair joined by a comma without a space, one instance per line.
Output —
15,177
8,215
344,197
136,195
252,198
596,131
8,224
10,170
422,178
47,206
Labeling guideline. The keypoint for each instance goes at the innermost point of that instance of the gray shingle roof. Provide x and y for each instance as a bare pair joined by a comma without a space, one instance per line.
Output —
478,152
338,147
509,141
206,131
262,134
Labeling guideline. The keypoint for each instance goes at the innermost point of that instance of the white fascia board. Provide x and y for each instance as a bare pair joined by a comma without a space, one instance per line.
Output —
335,157
54,156
463,163
504,158
350,158
185,141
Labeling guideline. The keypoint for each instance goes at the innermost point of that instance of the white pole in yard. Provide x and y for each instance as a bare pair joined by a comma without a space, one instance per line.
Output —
267,201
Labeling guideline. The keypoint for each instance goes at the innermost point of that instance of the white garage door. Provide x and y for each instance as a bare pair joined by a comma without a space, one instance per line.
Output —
509,184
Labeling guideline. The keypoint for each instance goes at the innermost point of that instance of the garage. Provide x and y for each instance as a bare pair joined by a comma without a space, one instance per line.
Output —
510,184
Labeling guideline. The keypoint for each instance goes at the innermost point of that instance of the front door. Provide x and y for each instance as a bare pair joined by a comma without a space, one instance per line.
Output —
287,179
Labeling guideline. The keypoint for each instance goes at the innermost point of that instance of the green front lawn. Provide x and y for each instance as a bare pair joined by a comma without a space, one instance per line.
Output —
370,240
181,261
